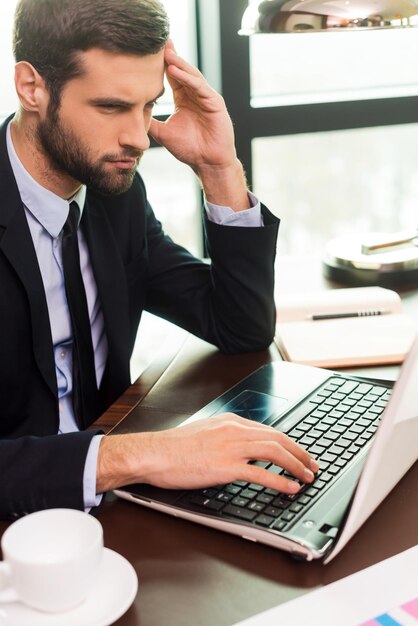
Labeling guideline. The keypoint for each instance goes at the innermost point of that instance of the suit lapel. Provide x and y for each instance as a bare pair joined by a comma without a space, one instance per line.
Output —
17,246
112,288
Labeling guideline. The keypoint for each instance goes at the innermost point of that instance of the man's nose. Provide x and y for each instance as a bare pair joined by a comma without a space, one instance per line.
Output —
135,135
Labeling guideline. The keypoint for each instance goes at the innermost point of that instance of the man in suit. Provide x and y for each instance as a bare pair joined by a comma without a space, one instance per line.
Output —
87,76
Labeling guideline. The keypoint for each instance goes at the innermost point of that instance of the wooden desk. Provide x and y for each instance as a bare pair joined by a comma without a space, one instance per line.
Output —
190,575
195,576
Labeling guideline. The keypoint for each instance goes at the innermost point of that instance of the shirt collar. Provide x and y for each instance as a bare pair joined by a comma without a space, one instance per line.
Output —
47,208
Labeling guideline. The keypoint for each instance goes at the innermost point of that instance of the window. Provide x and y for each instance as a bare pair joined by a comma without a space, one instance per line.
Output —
326,185
326,126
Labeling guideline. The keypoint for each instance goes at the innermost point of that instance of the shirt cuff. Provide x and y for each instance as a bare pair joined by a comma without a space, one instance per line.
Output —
227,217
91,499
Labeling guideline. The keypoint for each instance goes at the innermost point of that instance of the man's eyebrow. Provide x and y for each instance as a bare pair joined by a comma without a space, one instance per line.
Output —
118,102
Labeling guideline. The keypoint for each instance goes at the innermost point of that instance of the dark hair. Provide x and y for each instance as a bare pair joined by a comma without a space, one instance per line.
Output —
50,34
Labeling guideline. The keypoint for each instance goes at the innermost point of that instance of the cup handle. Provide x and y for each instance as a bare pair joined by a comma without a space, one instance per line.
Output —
7,593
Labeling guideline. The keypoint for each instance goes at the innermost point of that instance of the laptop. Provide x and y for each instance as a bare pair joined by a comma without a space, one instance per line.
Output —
363,432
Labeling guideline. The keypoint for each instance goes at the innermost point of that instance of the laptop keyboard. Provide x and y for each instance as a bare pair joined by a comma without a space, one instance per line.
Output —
334,424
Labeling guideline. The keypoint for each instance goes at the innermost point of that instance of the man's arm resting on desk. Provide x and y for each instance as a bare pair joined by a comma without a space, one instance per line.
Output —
210,452
42,472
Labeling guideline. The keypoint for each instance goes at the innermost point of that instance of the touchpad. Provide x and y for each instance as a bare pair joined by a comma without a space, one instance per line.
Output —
256,406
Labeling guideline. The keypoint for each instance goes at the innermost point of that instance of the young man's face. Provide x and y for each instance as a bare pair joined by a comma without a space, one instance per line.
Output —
99,132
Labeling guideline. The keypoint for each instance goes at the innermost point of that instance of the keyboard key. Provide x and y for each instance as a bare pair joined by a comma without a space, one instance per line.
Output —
334,469
325,477
224,497
296,433
273,511
342,443
359,409
377,410
324,393
365,403
248,493
328,457
330,420
356,428
331,435
348,386
265,499
281,503
322,427
241,502
341,462
296,507
331,402
235,511
210,492
336,449
338,428
306,441
256,506
364,388
348,402
316,450
324,443
214,505
337,382
198,499
264,520
280,525
234,489
350,436
255,487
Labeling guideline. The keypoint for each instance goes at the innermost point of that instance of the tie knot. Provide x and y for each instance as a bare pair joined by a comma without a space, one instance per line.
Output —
71,225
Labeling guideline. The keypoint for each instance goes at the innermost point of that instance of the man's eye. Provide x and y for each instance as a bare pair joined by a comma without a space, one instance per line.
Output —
109,107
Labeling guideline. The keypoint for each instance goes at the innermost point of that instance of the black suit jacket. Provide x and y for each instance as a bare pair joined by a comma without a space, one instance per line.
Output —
136,267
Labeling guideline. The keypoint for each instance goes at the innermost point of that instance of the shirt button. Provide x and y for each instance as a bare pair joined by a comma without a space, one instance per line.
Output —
63,354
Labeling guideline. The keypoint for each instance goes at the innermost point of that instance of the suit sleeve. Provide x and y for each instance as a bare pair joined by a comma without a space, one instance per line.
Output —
42,472
229,302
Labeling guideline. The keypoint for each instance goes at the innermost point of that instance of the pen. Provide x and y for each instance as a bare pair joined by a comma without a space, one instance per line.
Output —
332,316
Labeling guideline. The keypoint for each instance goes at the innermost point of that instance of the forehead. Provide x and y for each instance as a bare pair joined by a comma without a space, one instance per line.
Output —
123,75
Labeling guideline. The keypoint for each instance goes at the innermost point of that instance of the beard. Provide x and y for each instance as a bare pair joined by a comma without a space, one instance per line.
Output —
68,155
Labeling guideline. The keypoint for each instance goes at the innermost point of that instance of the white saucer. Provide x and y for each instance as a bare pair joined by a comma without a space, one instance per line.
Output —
111,597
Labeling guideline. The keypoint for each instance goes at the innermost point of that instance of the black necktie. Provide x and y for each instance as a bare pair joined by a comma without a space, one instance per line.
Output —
84,375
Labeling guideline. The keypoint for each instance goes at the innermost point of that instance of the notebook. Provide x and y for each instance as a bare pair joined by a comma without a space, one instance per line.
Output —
344,327
362,431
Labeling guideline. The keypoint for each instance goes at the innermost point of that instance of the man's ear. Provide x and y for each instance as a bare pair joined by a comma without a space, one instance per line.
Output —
30,88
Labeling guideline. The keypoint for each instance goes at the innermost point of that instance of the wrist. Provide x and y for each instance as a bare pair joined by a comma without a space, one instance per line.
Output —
118,462
225,185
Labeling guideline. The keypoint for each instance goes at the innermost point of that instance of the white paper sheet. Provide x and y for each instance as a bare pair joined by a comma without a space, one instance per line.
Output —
350,601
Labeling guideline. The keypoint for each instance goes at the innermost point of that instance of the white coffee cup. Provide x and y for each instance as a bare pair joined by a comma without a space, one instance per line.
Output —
51,559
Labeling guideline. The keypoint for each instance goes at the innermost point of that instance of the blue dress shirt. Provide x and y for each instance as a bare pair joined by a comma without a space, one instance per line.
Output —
46,214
